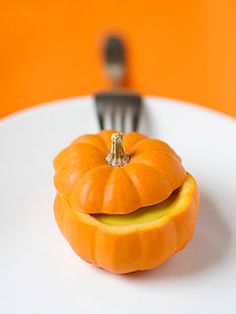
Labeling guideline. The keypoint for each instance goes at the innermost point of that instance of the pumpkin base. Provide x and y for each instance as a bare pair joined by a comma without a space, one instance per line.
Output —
137,241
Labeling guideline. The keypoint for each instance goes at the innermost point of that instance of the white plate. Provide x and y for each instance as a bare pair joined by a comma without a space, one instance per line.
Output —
39,273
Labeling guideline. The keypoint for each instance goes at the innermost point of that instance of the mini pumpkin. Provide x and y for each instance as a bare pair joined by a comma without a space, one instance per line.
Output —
128,209
145,172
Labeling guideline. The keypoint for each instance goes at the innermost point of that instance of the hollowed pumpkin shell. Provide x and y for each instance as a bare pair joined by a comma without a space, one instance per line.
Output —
129,243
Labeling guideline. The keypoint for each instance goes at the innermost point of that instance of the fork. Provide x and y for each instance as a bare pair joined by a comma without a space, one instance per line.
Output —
117,109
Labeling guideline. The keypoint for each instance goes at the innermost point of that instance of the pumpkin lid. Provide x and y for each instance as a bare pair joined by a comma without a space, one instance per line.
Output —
114,174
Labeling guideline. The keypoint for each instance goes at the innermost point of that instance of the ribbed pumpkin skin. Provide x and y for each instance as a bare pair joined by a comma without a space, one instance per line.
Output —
91,185
131,248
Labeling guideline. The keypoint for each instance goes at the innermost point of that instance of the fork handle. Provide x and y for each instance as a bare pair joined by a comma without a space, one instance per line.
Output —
114,57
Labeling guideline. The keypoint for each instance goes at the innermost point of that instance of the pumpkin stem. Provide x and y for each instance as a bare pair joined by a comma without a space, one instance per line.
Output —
117,157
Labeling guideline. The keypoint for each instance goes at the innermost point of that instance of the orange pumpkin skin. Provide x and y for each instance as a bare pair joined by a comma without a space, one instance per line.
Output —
85,179
130,248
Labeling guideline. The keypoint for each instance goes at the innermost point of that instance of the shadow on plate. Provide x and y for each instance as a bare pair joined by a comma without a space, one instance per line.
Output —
208,247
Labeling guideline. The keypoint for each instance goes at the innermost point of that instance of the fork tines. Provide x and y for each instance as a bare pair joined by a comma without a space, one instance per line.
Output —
118,110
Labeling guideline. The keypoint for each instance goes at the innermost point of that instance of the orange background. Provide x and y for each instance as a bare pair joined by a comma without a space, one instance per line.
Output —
181,49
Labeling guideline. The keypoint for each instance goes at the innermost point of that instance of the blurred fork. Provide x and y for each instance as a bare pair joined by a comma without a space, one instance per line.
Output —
117,109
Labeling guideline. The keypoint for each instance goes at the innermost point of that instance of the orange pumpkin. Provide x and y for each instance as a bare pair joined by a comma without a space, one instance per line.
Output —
137,241
92,180
128,209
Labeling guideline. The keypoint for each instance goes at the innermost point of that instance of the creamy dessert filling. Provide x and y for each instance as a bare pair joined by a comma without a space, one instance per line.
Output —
142,215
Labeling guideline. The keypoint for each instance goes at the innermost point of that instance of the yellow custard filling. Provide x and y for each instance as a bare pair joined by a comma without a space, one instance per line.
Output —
142,215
